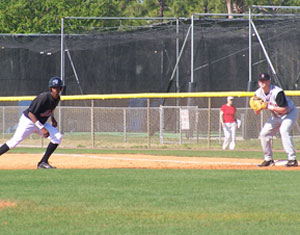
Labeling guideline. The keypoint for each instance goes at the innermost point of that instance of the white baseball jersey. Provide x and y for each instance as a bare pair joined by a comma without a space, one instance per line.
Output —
270,98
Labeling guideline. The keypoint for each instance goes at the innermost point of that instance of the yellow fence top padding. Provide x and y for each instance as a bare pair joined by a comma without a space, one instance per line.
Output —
147,95
157,95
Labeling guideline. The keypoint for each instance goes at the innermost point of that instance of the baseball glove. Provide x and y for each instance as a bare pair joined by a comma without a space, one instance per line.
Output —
257,104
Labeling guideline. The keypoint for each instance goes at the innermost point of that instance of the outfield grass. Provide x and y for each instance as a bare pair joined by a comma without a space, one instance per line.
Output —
132,201
140,141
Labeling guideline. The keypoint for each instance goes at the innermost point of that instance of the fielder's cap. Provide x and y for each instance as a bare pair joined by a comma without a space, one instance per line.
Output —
230,98
264,77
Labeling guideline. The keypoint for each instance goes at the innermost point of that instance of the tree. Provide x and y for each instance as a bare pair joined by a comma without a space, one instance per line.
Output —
229,8
44,16
234,6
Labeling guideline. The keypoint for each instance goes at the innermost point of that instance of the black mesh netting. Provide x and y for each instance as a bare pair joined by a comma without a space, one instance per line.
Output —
142,60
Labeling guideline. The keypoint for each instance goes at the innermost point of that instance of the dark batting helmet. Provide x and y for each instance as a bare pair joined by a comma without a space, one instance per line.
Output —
55,82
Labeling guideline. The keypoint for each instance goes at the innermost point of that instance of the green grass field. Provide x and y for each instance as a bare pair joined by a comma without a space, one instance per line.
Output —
132,201
140,141
144,201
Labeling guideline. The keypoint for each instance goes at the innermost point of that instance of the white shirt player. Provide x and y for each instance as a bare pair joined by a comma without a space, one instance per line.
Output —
272,99
284,115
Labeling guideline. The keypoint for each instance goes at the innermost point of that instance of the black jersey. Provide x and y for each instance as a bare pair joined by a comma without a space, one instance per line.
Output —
42,106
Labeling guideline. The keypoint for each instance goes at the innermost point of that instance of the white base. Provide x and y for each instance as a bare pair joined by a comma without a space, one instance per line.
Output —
281,162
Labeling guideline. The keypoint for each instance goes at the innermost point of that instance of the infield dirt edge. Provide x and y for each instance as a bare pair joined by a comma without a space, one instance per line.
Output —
136,161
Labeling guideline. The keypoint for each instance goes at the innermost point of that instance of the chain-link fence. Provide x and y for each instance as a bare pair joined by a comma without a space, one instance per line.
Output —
111,127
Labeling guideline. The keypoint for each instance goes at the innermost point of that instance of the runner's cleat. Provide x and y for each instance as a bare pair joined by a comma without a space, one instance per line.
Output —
45,165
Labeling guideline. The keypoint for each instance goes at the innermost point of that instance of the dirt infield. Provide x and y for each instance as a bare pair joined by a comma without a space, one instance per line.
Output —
6,204
90,161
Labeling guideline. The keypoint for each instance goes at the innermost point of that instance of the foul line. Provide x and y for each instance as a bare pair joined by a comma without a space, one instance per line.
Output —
158,160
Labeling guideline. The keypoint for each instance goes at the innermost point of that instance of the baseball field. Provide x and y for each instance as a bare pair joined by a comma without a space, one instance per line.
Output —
147,192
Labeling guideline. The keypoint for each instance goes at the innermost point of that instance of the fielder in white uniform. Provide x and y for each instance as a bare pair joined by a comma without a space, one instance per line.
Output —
34,120
283,116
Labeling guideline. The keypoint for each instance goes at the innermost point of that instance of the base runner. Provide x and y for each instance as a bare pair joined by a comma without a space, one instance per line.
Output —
33,120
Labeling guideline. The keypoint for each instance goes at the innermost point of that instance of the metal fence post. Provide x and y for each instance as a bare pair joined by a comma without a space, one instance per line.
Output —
59,119
197,125
124,125
242,125
220,131
208,122
148,121
92,124
161,124
180,125
3,122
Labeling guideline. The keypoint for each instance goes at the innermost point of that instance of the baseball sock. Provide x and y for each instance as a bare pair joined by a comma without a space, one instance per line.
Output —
3,149
50,149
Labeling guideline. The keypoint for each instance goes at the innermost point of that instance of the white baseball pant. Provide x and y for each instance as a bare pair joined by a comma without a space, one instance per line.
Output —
284,124
27,127
229,129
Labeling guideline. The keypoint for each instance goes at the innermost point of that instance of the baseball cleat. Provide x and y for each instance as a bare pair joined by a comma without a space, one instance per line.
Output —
292,163
266,163
45,165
